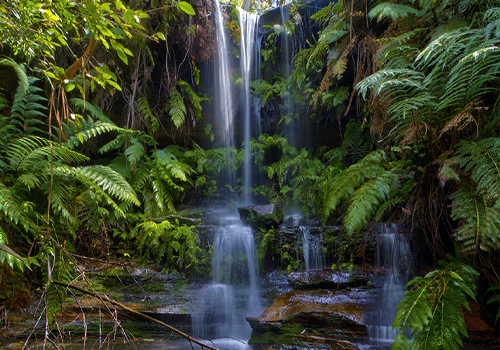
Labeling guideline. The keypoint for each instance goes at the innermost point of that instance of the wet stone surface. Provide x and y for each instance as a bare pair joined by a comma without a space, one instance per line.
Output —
328,279
315,316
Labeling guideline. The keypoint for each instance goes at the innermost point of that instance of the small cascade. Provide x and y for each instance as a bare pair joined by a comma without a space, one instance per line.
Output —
393,252
312,251
223,91
248,26
233,294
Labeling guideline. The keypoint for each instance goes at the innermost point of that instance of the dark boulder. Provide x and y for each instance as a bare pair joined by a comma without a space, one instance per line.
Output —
262,216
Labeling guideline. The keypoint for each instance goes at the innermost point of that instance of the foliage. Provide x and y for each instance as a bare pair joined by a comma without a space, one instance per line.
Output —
366,186
174,245
434,308
278,249
476,204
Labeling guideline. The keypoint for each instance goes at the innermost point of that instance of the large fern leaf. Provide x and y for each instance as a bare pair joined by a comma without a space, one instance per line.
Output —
352,178
368,198
177,108
434,309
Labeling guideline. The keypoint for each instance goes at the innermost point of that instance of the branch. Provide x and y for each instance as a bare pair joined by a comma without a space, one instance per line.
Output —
138,314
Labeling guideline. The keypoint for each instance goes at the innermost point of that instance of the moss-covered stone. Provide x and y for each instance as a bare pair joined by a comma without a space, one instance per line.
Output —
262,216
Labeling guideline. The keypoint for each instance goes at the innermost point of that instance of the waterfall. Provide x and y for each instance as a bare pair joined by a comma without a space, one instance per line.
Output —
312,251
248,26
223,91
393,253
233,294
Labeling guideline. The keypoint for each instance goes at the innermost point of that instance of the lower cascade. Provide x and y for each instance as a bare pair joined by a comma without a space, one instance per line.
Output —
233,294
312,250
393,252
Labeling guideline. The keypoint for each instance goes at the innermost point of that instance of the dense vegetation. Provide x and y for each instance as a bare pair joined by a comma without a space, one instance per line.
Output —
102,117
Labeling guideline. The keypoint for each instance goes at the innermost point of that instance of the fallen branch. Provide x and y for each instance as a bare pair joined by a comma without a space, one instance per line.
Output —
136,313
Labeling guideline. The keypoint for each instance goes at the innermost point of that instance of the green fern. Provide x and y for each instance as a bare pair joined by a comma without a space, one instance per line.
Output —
151,121
94,111
177,108
434,309
368,197
7,255
194,99
477,207
352,178
393,11
175,245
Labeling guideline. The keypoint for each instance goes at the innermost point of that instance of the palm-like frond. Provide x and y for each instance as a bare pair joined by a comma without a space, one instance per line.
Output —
177,108
151,120
13,208
368,198
94,111
477,207
32,151
434,309
352,178
393,11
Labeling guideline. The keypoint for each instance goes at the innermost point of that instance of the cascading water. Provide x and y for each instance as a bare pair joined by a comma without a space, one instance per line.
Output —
233,294
224,95
248,26
312,251
393,252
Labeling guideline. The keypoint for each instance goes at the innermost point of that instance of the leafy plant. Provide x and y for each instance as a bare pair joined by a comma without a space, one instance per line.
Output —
168,242
476,204
433,309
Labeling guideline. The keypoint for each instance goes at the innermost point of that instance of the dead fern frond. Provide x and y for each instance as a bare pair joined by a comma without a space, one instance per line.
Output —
464,117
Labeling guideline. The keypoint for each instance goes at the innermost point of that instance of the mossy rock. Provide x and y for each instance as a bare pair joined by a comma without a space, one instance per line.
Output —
262,216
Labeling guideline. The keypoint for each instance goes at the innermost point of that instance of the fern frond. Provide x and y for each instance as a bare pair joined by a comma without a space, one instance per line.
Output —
94,111
177,108
368,197
91,130
193,97
393,11
135,152
390,81
31,151
352,178
151,120
105,179
434,309
479,220
23,81
482,159
13,208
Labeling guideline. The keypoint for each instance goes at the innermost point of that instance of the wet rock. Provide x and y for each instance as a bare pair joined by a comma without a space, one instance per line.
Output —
265,216
328,279
298,315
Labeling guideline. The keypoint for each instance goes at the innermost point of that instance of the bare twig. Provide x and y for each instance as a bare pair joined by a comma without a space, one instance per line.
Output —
138,314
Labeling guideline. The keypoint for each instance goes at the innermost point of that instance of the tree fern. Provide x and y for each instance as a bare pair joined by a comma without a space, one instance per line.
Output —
434,309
